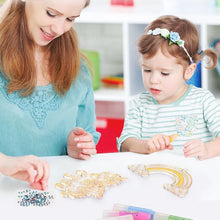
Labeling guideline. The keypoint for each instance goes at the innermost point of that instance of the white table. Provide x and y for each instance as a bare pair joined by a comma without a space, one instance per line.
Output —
201,203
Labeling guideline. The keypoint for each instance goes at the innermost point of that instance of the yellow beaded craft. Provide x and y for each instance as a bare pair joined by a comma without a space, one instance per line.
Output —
82,184
182,179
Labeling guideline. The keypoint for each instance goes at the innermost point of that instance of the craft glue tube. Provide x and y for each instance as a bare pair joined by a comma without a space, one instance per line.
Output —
136,215
125,217
161,216
154,215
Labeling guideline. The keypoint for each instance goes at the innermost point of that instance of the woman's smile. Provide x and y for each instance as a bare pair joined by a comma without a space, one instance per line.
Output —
46,35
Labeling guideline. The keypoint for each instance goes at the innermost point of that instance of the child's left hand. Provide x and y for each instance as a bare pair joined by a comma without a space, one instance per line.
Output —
195,148
80,144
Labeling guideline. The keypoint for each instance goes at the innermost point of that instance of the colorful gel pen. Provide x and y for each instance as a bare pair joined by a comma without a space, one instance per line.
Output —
136,215
124,217
154,215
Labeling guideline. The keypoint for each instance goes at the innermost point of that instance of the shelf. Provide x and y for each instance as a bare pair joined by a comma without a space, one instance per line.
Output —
109,94
197,11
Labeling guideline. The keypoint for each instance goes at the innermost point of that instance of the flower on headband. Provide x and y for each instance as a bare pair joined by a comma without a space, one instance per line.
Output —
156,31
174,37
165,33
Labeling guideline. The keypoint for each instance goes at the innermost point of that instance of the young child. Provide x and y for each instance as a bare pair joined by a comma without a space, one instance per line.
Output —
169,51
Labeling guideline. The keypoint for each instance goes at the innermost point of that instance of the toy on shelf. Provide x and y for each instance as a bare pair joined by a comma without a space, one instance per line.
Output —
182,179
110,129
2,2
116,81
94,58
123,2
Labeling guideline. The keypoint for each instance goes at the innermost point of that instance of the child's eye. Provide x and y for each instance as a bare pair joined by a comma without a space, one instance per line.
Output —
51,14
147,70
165,73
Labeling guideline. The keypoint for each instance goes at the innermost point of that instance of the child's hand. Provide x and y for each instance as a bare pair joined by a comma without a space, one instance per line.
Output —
195,148
27,168
80,144
159,142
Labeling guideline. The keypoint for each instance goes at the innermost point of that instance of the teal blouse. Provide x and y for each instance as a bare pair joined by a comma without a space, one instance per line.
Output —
40,123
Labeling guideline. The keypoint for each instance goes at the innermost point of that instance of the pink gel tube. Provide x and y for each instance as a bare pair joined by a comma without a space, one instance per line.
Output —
136,215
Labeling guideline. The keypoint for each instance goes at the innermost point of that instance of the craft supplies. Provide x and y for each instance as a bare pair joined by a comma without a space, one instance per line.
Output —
136,215
82,184
154,215
124,217
34,198
182,179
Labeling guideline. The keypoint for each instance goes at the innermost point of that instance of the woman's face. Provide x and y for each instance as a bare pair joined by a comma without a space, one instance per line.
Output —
49,19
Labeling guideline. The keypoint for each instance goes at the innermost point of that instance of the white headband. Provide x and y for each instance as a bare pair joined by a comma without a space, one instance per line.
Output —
174,37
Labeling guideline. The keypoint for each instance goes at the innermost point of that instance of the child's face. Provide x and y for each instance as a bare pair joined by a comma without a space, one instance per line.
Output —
163,77
49,19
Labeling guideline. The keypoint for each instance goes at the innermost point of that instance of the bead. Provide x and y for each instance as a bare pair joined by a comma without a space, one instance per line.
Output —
83,184
34,198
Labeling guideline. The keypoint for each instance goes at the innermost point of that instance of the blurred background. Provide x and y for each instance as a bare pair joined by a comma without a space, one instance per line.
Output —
108,31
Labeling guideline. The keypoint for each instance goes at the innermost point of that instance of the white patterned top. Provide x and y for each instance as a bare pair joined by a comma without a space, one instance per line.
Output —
196,115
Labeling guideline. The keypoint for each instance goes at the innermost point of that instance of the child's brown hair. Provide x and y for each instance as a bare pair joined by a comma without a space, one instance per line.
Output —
148,44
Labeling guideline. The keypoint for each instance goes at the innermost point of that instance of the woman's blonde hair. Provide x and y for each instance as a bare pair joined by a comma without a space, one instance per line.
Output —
17,62
148,45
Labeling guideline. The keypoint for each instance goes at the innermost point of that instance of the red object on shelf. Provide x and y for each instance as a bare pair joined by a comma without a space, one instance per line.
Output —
128,2
113,81
122,2
110,129
117,2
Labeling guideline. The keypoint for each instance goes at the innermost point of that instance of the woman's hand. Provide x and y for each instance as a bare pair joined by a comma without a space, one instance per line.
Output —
80,144
27,168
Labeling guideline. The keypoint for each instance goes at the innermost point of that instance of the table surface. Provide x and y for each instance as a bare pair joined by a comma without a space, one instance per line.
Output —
201,203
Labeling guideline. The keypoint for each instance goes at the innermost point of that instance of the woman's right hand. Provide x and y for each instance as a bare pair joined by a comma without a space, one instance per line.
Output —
80,144
27,168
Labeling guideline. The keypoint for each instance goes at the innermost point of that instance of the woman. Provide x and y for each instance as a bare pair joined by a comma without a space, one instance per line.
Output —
47,103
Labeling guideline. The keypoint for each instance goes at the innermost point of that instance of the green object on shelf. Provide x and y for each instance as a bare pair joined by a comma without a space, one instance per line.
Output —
2,2
93,56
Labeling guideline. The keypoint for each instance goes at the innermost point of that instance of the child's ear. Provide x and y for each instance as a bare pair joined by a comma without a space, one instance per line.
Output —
189,71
